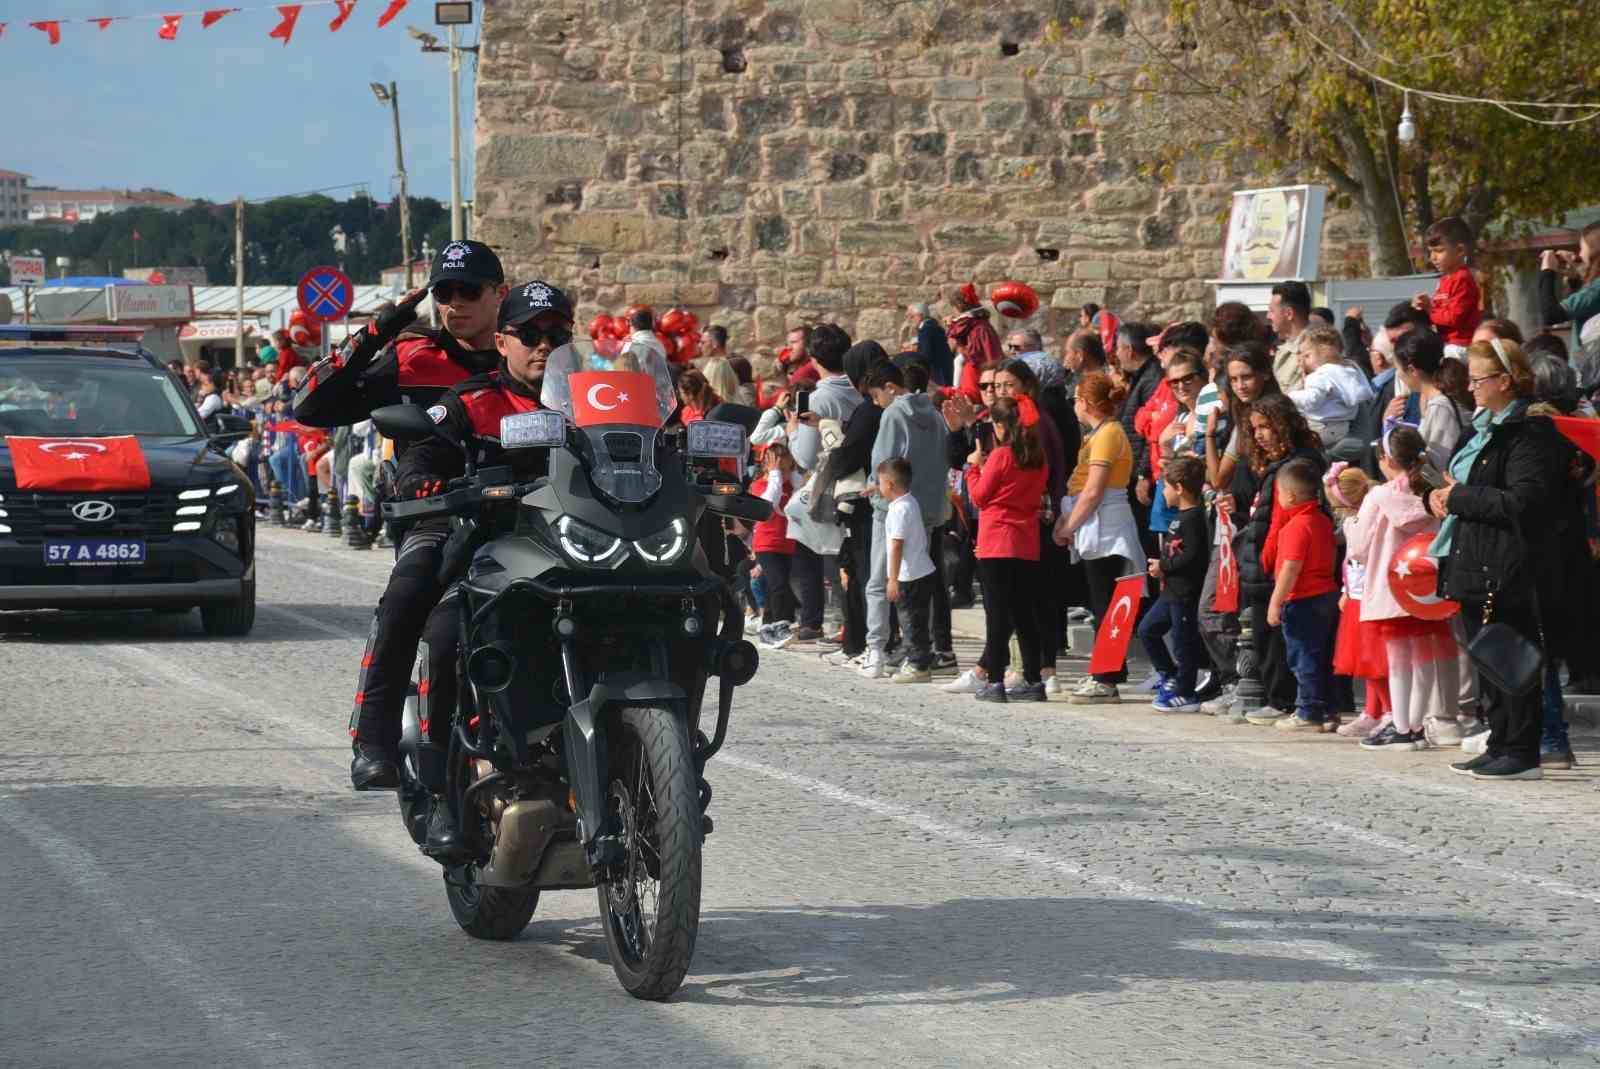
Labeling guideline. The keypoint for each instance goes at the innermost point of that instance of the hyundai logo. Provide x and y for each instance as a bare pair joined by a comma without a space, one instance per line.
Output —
94,511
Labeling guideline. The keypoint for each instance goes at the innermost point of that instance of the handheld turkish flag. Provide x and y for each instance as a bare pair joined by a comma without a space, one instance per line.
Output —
1583,433
1116,628
1227,599
613,397
79,463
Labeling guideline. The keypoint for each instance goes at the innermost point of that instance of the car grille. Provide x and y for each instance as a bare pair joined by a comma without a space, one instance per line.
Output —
33,517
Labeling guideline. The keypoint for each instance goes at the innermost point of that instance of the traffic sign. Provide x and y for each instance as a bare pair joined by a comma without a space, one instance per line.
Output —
27,270
326,294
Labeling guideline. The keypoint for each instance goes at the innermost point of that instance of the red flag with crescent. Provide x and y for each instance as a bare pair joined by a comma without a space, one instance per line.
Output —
79,463
613,397
1116,627
1583,433
1227,599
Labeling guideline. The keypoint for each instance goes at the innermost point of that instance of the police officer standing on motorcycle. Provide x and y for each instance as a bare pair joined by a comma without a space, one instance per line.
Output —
535,320
393,362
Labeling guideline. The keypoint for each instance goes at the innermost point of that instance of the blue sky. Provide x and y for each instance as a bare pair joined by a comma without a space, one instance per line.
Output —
227,111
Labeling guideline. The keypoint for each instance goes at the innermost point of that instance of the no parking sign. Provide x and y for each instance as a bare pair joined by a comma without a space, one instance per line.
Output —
326,294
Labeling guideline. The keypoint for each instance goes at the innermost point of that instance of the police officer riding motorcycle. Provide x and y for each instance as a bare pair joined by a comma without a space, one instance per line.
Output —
390,362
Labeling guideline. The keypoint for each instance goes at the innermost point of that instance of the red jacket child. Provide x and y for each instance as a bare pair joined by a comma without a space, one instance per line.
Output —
1456,307
1008,506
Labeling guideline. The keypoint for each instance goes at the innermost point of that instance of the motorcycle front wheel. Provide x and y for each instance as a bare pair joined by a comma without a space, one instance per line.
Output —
652,914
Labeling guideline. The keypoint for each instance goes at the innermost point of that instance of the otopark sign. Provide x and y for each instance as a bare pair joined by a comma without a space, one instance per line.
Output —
326,294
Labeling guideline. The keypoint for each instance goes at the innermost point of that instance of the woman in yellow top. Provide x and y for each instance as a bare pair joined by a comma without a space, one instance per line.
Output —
1096,519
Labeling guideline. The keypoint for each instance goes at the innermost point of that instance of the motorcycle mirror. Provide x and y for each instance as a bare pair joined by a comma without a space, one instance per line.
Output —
409,423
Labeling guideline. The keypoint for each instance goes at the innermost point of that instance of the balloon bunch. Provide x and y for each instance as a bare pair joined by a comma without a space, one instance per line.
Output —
304,332
677,329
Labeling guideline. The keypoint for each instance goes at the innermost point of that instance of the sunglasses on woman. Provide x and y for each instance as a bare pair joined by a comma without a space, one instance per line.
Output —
1184,380
446,292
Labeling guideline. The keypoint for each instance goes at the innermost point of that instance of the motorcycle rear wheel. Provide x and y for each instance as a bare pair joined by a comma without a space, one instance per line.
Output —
497,913
652,915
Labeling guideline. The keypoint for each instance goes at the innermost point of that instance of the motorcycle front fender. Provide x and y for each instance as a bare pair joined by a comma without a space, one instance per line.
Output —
584,735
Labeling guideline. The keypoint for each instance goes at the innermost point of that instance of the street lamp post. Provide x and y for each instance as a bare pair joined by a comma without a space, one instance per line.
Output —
451,15
390,95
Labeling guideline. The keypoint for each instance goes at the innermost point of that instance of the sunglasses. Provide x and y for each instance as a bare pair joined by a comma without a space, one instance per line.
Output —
985,384
446,292
1184,380
530,335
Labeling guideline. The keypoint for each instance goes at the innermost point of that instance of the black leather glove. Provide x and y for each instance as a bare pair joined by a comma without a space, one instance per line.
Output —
388,324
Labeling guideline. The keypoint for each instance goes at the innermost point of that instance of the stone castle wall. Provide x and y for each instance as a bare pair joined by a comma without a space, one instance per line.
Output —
807,160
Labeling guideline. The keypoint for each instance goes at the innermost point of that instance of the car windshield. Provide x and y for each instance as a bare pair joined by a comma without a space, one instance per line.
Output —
47,396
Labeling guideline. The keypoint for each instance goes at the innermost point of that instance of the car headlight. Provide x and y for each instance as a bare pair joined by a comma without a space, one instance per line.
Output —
589,545
666,545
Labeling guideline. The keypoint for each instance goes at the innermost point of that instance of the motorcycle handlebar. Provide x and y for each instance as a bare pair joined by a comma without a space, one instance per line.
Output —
456,502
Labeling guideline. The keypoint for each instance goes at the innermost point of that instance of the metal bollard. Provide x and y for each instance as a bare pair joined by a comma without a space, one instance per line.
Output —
1251,694
355,531
275,511
332,525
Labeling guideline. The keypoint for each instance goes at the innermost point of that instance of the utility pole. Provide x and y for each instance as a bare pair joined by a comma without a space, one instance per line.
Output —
457,231
238,282
391,94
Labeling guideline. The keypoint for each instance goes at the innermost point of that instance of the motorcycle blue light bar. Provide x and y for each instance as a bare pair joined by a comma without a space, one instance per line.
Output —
712,438
528,430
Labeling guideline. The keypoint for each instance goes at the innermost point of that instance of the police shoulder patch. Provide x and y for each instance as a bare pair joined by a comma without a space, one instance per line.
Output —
437,413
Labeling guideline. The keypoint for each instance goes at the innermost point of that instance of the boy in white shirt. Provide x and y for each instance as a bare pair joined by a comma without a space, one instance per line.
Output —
1333,390
910,568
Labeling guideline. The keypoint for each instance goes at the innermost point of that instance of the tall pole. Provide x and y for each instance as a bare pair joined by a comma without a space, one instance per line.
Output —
456,229
238,282
405,196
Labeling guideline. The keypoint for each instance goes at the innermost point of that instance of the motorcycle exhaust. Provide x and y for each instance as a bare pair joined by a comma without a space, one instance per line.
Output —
525,831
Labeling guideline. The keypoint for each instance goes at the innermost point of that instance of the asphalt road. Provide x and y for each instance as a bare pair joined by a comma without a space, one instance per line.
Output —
898,877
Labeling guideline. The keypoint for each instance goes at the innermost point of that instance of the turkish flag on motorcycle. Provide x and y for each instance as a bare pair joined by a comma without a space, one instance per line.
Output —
79,463
1116,627
1227,599
613,397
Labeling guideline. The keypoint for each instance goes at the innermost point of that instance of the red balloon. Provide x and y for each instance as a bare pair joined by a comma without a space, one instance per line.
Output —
608,347
599,326
671,345
1014,300
688,346
620,328
1414,582
679,321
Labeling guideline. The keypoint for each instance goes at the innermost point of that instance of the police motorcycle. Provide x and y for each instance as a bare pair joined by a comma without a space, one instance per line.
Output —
590,628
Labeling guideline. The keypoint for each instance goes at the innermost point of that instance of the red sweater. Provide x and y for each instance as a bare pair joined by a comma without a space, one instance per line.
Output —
1008,506
1305,535
1152,418
771,535
1457,307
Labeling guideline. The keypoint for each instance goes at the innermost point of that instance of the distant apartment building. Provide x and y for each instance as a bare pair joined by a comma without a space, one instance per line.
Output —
13,198
47,205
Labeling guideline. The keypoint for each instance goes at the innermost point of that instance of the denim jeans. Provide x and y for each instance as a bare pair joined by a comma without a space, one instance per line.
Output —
1182,619
1308,631
1554,739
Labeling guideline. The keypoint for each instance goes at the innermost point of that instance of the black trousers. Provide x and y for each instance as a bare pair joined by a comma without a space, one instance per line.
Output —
1272,660
776,569
1048,607
1009,587
807,578
915,604
939,603
1516,721
397,626
1102,574
857,562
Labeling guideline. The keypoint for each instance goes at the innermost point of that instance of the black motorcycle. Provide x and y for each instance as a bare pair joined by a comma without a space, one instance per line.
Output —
590,625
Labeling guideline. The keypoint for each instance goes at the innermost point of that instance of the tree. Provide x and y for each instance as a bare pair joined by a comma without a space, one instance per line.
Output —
286,236
1278,81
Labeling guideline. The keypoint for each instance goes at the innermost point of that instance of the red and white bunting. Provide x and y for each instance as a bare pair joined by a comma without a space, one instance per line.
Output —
346,7
169,27
214,16
285,29
50,28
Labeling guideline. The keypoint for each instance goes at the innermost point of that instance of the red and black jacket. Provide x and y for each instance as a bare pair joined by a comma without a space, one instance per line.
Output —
470,413
418,368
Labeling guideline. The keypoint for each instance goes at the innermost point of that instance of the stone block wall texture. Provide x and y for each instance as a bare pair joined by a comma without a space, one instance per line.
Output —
772,162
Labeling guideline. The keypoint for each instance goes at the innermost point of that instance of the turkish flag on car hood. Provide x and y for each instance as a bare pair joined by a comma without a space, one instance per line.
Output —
79,463
613,397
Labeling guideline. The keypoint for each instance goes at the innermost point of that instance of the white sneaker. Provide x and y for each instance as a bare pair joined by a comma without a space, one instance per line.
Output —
1052,688
874,667
1441,732
909,674
1221,705
1093,692
841,659
1476,743
967,682
752,624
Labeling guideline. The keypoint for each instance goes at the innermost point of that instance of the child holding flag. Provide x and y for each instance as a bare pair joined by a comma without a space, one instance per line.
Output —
1186,552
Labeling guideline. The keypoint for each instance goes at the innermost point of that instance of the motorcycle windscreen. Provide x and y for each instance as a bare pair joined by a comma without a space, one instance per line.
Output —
619,405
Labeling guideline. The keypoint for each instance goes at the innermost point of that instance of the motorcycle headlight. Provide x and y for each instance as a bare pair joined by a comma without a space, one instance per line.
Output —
666,545
589,545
